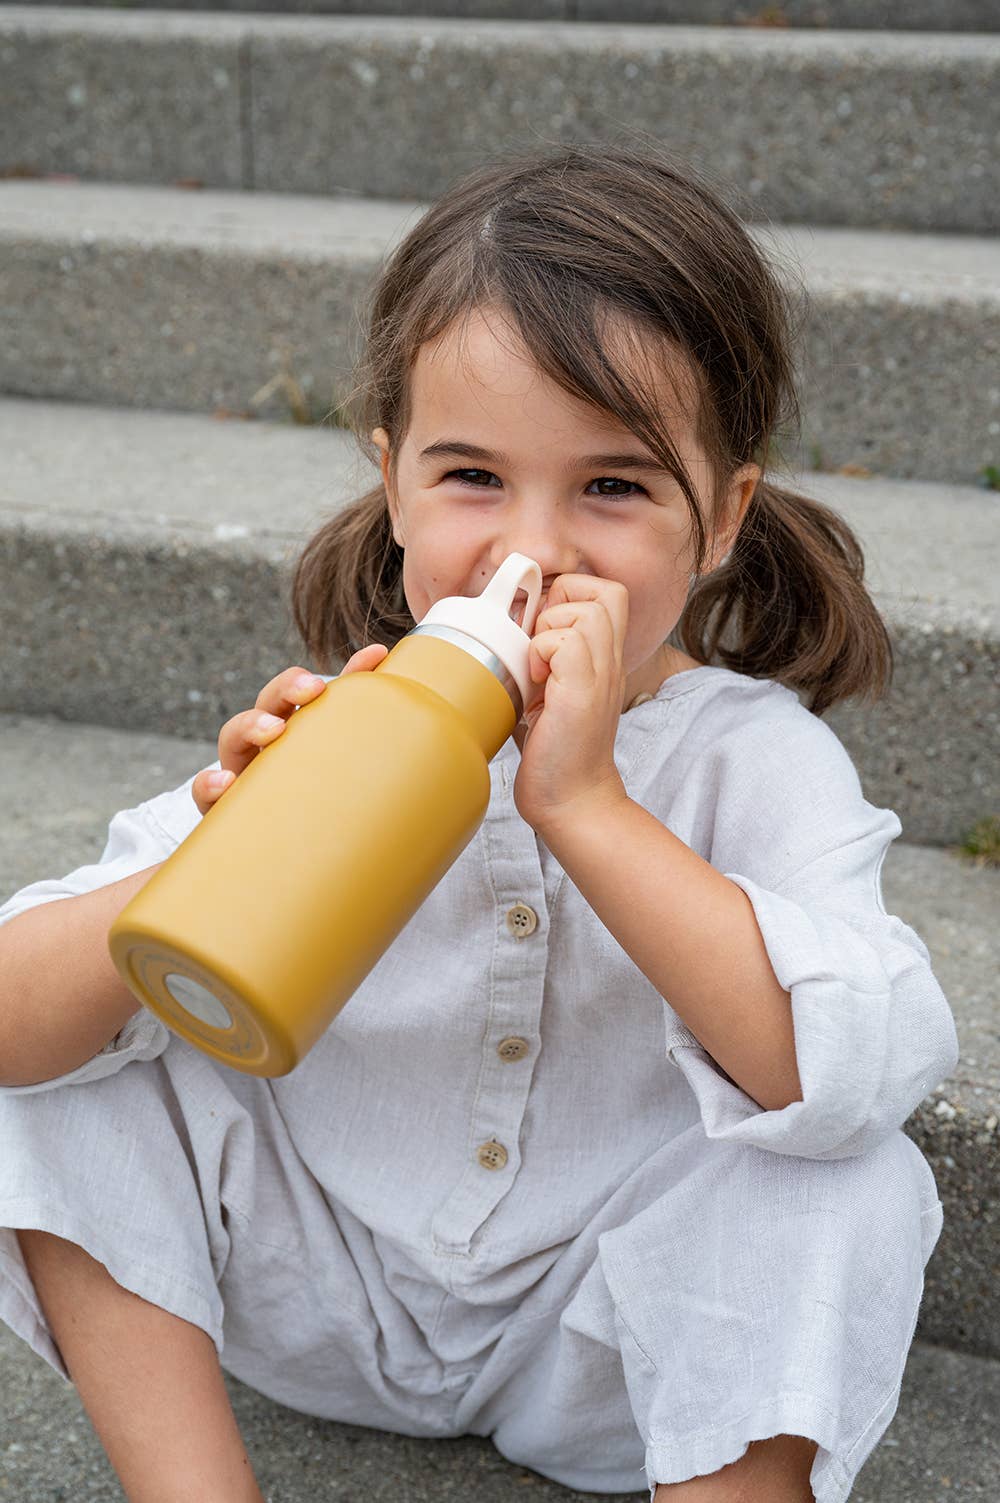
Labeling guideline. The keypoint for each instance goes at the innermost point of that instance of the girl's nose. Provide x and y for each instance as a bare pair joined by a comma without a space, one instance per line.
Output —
549,573
552,558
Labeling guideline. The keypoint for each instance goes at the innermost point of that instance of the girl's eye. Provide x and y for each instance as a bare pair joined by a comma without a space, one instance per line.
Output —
630,486
462,473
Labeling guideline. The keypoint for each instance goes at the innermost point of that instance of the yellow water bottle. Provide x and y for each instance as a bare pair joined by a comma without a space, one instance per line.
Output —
260,926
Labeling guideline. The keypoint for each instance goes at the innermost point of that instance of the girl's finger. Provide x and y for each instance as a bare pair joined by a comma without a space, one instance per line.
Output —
287,690
209,786
365,658
240,740
545,646
595,603
243,736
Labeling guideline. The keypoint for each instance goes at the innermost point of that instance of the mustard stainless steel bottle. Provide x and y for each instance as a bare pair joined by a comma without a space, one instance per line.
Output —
259,927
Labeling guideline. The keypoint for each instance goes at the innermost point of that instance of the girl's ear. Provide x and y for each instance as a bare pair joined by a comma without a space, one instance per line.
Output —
738,498
380,439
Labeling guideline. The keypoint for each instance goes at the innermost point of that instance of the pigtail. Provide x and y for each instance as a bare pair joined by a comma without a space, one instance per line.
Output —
792,599
347,586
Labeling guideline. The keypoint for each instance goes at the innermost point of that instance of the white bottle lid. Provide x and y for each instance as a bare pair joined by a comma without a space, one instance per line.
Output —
487,617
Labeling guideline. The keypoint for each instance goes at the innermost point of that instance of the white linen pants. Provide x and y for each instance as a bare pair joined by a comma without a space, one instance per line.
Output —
723,1294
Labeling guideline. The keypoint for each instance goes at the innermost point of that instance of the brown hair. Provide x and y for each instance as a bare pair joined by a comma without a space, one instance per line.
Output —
558,238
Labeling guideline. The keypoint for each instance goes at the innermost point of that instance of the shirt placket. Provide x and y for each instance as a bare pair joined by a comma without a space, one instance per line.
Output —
512,1031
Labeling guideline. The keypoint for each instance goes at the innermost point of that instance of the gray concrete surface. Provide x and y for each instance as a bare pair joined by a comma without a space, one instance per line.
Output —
160,298
893,15
60,783
109,107
195,300
874,128
942,1446
148,557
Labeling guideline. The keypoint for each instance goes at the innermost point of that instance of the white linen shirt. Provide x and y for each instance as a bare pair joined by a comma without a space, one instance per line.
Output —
505,1065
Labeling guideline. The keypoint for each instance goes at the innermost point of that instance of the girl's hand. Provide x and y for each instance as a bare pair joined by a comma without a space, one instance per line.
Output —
567,739
242,737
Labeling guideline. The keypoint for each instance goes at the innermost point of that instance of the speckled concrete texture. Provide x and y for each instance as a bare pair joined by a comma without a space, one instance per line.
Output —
171,109
953,906
898,15
166,298
173,299
941,1447
509,10
874,128
148,560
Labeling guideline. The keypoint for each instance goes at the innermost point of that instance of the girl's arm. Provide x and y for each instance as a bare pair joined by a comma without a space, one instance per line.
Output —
808,1019
66,1016
693,934
61,997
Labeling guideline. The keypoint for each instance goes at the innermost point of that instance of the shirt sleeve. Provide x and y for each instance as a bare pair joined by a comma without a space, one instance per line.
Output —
136,839
873,1030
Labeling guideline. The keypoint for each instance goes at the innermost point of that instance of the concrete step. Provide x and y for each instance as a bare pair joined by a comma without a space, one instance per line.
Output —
886,15
875,128
941,1445
147,560
60,783
168,298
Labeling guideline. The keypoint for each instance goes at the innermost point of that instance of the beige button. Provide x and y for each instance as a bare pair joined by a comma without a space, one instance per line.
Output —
512,1048
492,1155
521,920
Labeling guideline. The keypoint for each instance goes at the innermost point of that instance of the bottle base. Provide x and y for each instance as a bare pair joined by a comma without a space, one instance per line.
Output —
201,1009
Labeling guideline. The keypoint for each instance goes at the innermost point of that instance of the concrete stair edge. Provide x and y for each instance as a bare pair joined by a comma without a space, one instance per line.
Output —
331,71
893,15
112,565
139,260
209,480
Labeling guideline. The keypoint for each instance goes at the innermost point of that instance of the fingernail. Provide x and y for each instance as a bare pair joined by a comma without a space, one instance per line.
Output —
219,779
307,683
268,722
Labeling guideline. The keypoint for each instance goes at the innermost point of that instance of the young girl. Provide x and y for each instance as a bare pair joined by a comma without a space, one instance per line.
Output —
604,1158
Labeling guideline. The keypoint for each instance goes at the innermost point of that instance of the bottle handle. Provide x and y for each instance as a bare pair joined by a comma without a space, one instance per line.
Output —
505,583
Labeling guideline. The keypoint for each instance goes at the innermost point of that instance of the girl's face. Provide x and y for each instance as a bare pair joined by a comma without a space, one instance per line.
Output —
500,459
